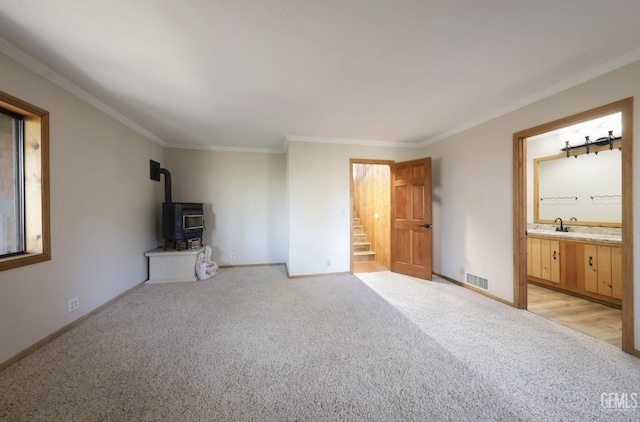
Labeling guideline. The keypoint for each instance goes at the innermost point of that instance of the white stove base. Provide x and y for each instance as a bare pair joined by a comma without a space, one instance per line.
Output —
170,266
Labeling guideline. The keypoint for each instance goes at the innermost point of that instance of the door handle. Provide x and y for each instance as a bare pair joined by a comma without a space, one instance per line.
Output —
426,226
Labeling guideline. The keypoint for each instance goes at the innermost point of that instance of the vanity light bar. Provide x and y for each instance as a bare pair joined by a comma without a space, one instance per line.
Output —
588,144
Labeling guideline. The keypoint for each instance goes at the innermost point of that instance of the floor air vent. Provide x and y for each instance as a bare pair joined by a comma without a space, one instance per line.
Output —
476,280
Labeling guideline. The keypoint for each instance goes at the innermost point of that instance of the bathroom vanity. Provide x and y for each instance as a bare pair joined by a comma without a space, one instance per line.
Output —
581,264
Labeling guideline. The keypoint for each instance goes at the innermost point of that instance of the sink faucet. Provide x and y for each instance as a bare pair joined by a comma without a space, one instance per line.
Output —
561,228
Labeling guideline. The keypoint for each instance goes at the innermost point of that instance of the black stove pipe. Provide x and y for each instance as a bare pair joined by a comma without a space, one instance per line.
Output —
167,185
155,172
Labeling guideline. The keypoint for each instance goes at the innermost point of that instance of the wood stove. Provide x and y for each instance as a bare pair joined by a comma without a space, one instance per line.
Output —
182,222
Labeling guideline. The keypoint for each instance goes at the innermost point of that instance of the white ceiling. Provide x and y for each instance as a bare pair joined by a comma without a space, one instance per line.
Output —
249,73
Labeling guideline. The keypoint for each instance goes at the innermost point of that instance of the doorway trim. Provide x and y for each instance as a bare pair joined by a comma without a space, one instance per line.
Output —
520,209
353,161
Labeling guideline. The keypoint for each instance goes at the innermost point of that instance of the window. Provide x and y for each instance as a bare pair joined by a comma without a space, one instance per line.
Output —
24,183
11,192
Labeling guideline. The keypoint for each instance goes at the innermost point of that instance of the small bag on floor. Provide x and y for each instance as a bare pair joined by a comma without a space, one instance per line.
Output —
205,267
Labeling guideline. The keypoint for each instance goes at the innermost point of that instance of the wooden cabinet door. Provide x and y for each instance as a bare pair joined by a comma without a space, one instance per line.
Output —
536,270
616,272
591,268
529,255
554,260
604,270
543,259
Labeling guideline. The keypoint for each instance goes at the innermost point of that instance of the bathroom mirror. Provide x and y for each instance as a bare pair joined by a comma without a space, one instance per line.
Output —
581,185
586,190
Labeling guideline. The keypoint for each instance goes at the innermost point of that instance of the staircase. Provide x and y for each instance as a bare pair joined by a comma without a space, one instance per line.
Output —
361,247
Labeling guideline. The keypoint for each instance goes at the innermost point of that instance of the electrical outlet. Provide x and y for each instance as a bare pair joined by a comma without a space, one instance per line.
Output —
73,304
461,270
232,256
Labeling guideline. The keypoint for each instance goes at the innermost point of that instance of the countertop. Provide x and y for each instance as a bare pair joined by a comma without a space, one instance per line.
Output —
602,238
160,251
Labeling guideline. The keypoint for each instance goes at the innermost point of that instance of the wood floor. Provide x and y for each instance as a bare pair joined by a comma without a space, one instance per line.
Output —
599,321
368,267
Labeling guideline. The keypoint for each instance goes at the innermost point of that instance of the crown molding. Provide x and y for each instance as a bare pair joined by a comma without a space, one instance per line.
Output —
228,149
570,82
42,70
23,58
343,141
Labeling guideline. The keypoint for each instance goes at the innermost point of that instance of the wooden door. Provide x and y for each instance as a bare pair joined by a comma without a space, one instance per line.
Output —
554,259
604,270
529,256
545,259
571,257
616,272
411,218
536,270
591,268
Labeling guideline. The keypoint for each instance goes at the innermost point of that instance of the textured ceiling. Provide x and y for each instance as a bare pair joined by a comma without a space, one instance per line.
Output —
248,73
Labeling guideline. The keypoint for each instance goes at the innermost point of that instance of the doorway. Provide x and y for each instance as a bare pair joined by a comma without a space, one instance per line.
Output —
371,216
403,192
575,263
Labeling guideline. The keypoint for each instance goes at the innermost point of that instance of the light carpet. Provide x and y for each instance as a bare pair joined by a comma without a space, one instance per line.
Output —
251,344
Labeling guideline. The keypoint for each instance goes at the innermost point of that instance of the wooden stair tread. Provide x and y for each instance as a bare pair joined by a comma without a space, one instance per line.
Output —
359,256
361,246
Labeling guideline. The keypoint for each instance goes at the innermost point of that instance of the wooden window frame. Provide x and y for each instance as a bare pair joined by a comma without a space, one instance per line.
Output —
37,236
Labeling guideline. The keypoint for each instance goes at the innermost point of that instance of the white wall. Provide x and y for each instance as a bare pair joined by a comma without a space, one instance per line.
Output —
588,176
319,203
102,215
245,201
474,183
471,220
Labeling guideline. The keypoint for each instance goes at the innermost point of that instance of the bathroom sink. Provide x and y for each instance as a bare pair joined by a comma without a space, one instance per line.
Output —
576,236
